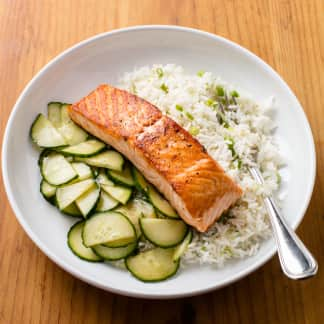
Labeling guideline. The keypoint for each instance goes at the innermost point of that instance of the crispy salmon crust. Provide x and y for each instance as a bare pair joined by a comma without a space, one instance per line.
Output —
168,156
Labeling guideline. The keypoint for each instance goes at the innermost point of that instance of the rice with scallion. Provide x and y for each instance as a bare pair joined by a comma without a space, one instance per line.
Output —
236,131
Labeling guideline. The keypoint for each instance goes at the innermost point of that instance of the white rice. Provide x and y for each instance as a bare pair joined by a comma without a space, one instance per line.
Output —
250,130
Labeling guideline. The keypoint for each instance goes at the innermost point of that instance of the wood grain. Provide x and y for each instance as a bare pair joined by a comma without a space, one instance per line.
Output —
289,35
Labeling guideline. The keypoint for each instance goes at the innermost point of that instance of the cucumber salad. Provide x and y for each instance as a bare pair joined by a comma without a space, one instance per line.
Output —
119,211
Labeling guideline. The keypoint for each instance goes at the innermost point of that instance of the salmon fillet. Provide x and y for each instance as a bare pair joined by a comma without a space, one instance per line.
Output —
168,156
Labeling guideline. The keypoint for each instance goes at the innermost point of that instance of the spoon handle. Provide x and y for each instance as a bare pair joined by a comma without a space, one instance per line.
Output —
295,259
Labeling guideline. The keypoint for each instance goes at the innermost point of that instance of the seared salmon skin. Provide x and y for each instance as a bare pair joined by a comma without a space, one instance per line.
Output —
168,156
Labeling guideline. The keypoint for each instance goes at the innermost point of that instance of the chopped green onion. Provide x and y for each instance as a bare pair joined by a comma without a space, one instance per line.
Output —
189,116
221,118
278,178
226,125
220,91
159,72
239,164
200,73
227,250
164,88
179,108
203,248
228,138
210,102
234,94
230,145
193,130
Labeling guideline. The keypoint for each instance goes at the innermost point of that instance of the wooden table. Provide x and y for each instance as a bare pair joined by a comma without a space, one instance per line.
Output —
289,35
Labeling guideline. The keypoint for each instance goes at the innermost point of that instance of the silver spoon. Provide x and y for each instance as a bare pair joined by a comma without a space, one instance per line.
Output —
295,259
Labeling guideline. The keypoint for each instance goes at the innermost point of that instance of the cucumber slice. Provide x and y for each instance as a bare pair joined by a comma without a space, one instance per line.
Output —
83,171
72,210
88,201
160,203
56,170
147,209
106,202
139,207
112,229
134,210
122,177
47,190
153,265
102,178
140,182
113,254
72,133
182,247
163,232
67,194
54,113
107,159
122,194
76,245
44,134
84,149
65,117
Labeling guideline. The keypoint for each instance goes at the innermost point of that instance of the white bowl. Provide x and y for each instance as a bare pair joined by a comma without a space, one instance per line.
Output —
103,59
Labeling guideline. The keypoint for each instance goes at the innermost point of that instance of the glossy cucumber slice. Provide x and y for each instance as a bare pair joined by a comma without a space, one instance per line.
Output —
182,247
160,203
67,194
102,178
84,149
72,210
87,201
121,194
113,254
134,210
124,177
107,159
109,228
140,182
106,202
56,170
76,245
72,133
83,171
163,232
54,113
44,134
47,190
153,265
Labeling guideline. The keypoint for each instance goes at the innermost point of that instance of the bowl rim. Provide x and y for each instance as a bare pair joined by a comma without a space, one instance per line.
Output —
152,295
